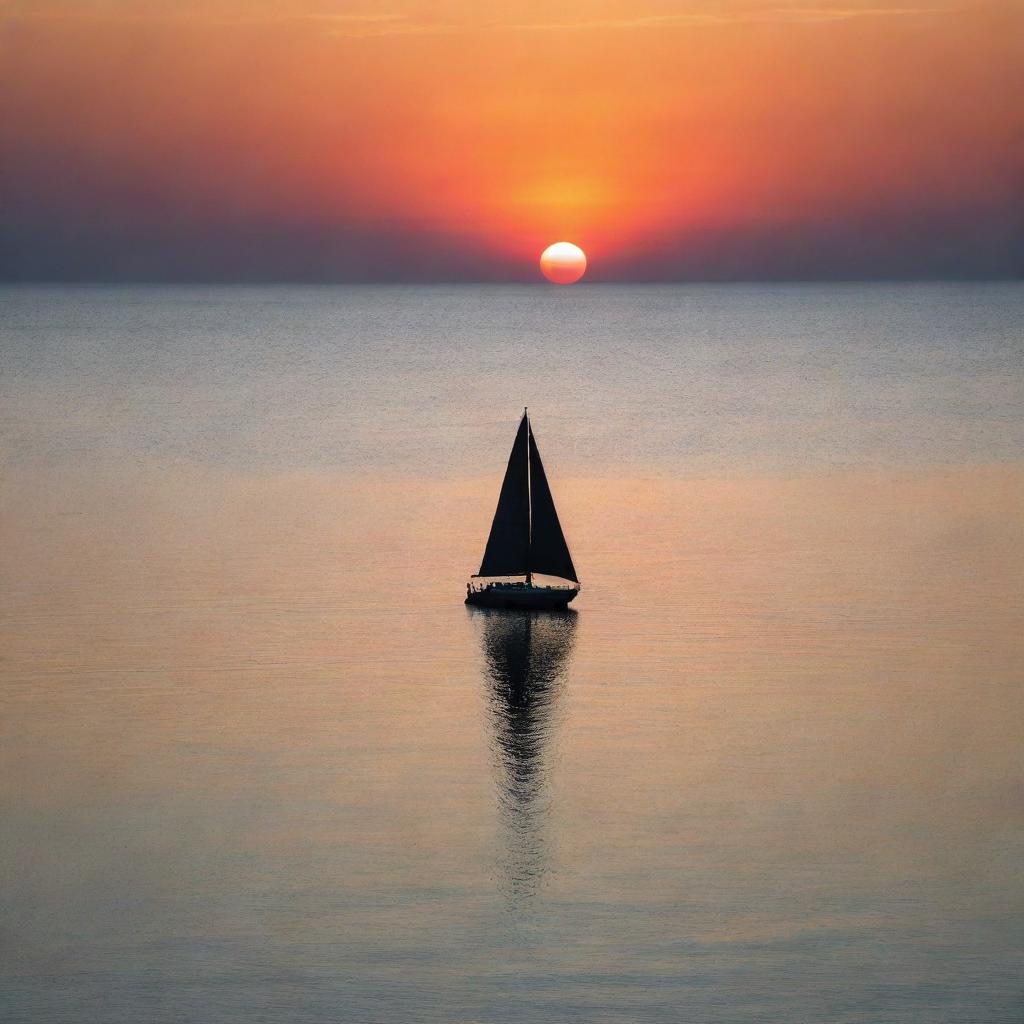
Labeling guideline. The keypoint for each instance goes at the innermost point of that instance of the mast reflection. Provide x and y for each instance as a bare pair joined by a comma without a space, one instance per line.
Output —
526,655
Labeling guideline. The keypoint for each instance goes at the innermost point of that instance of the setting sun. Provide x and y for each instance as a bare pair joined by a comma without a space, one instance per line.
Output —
563,263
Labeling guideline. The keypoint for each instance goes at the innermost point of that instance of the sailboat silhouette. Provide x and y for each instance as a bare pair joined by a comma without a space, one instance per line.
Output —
526,538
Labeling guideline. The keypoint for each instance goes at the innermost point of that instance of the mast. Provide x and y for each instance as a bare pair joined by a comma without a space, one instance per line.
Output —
529,504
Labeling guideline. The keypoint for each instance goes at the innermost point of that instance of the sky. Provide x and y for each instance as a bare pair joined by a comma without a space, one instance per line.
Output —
394,140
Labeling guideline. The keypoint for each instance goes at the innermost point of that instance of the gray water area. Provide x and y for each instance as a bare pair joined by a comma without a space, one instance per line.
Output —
258,762
789,378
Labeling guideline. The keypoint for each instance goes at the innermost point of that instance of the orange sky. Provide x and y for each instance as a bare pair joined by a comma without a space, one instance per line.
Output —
394,138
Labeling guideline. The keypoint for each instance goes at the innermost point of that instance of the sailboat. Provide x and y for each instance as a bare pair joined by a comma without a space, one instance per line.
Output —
526,539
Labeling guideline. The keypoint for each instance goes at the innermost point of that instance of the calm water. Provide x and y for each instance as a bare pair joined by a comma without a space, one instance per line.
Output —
259,763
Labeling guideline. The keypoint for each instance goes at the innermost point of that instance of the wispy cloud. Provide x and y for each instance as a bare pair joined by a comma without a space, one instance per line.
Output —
364,25
361,26
396,22
846,13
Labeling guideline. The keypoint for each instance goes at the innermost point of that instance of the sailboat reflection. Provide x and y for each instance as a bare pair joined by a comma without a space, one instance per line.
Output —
526,655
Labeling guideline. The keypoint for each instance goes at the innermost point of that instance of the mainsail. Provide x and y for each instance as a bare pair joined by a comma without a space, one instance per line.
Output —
526,536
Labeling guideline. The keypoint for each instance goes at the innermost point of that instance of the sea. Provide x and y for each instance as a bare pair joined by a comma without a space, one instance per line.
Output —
260,763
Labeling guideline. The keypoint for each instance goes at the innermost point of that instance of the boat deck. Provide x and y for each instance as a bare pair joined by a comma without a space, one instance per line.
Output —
519,595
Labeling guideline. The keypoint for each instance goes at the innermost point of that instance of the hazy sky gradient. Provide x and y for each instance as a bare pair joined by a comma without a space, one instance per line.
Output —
258,140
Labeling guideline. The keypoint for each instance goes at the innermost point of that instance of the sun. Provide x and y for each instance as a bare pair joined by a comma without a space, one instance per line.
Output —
563,263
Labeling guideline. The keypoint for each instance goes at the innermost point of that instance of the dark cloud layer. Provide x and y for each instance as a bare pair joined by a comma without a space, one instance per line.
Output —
985,244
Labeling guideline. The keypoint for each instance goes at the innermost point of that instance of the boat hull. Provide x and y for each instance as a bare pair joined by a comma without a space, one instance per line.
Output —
548,598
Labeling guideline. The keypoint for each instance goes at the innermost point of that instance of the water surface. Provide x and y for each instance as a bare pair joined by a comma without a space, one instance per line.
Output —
260,762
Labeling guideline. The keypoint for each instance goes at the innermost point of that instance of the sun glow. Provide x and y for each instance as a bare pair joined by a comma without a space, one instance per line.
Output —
563,263
487,134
